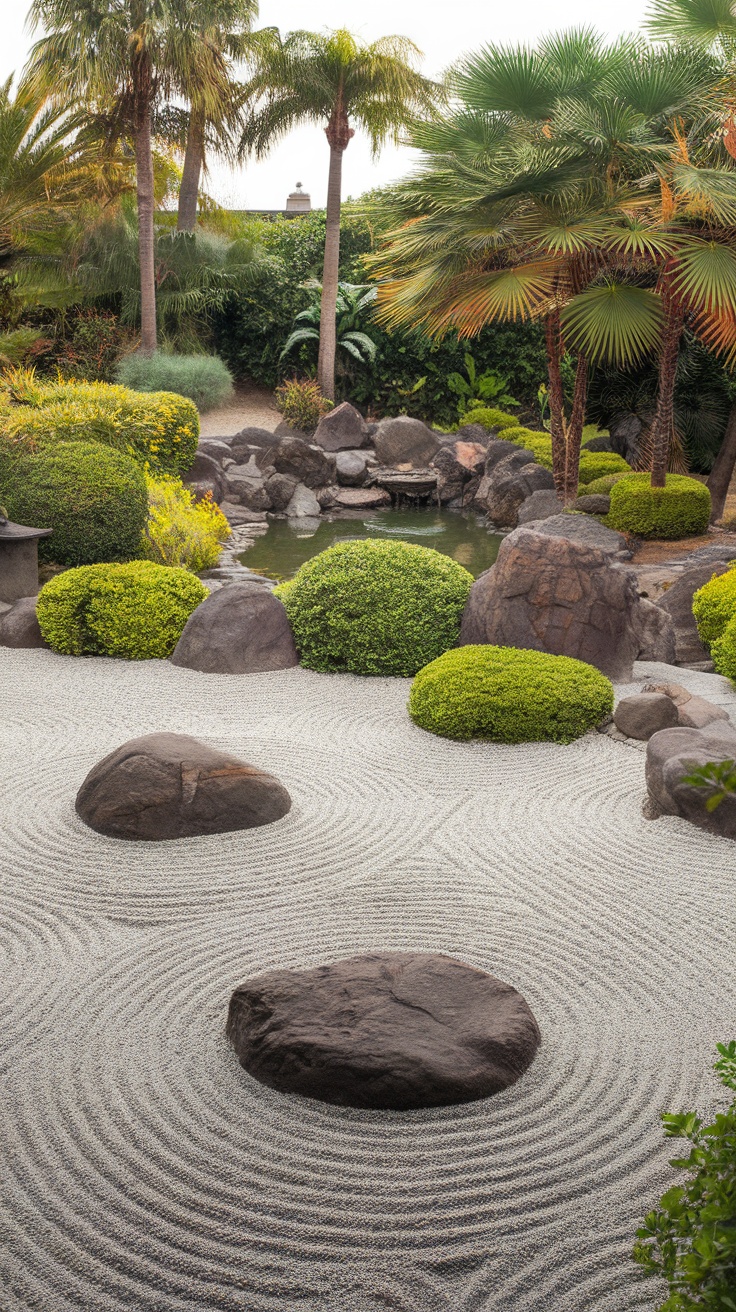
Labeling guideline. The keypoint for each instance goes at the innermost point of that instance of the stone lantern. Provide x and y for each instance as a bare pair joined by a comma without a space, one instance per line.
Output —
299,201
18,560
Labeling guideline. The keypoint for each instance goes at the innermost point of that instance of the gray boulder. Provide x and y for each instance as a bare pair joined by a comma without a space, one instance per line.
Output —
644,714
240,629
361,498
405,442
385,1030
326,496
250,439
206,476
237,515
588,532
677,602
599,444
456,463
509,487
594,503
19,625
218,450
351,467
303,503
675,753
281,488
625,434
656,634
168,785
304,461
540,505
342,429
246,486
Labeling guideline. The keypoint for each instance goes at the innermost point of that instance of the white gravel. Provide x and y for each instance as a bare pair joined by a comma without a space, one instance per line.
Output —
144,1169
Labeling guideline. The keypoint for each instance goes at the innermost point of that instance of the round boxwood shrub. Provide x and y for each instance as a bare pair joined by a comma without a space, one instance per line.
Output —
723,651
596,464
540,444
95,500
489,417
372,607
602,485
714,606
509,695
136,611
680,509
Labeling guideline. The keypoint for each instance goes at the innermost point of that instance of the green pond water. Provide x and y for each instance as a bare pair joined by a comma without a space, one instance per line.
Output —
284,547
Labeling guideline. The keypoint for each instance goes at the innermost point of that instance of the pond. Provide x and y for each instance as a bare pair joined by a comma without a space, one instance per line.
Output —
285,546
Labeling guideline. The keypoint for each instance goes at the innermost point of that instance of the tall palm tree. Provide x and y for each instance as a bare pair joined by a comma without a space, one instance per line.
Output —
128,56
338,81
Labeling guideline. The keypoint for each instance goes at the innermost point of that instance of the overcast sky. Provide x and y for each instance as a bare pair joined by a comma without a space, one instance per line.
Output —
443,30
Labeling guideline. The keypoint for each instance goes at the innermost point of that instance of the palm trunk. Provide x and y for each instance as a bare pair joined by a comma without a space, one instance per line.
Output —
191,173
574,434
663,426
330,278
719,479
145,198
556,400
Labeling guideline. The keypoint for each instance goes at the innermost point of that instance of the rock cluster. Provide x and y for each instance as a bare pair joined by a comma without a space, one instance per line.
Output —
672,755
664,706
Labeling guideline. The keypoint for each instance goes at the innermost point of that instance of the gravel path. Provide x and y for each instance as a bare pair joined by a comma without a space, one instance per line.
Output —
252,406
145,1170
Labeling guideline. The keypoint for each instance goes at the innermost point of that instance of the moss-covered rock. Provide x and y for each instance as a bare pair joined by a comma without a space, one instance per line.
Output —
679,509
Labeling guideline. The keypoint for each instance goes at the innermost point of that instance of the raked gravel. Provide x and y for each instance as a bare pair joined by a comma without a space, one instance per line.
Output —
144,1169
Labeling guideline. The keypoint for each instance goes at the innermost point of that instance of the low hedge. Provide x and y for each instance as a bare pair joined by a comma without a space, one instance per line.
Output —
679,509
158,429
538,443
714,606
373,607
136,611
94,499
205,379
723,651
509,695
603,485
490,417
599,464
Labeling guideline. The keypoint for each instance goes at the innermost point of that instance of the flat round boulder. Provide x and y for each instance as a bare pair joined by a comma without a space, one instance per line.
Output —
387,1030
168,785
644,714
240,629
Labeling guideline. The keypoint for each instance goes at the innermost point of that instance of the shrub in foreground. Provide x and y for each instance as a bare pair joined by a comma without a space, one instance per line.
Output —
375,607
509,695
723,651
136,611
679,509
689,1240
181,530
714,606
93,498
204,379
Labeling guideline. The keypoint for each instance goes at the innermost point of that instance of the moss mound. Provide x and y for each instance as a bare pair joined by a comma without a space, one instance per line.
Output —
539,444
679,509
509,695
602,485
375,607
723,651
489,417
136,611
598,464
94,499
714,606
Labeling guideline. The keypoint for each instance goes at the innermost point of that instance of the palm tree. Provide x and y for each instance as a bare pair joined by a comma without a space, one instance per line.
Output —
338,81
352,302
126,56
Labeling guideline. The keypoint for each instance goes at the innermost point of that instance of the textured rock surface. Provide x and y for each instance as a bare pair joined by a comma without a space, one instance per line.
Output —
644,714
554,594
280,489
304,461
540,505
303,503
206,475
595,503
245,485
510,485
672,755
240,629
168,785
456,463
405,441
341,429
677,601
351,468
361,498
390,1029
19,625
588,532
656,633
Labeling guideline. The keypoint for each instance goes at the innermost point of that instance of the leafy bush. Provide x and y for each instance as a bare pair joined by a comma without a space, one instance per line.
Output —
375,607
181,530
158,429
690,1238
89,346
714,606
538,443
490,417
678,510
599,464
509,695
136,611
203,378
93,498
301,403
723,651
603,484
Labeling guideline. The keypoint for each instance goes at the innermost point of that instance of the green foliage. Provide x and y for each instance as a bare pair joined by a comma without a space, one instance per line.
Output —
158,429
718,777
135,611
20,345
603,484
89,345
509,695
689,1240
374,607
203,378
93,498
538,443
491,417
678,510
474,390
598,464
714,606
352,304
301,403
180,530
723,651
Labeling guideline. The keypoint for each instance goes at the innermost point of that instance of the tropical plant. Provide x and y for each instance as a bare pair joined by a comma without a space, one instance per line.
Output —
352,302
487,389
335,80
301,403
181,531
203,378
718,778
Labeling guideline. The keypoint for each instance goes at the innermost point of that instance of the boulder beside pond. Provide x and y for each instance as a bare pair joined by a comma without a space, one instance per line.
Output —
342,429
240,629
405,443
384,1030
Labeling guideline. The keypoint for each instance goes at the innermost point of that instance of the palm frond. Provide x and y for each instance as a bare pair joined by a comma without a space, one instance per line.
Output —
616,322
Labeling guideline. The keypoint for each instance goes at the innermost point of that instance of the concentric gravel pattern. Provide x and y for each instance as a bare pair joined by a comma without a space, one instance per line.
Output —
144,1169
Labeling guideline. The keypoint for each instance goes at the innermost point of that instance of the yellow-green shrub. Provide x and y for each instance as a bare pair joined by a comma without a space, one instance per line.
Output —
136,611
723,650
490,417
181,530
714,606
679,509
599,464
538,443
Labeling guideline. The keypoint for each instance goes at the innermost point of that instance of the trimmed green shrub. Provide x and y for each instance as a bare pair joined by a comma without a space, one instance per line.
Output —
135,611
597,464
373,607
602,485
205,379
680,509
540,444
94,499
509,695
490,417
158,429
714,606
723,651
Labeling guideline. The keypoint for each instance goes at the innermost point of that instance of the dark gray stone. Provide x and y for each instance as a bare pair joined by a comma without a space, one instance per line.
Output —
352,469
19,560
509,487
168,785
677,602
307,463
540,505
656,633
240,629
456,463
644,714
246,485
281,488
587,531
342,429
625,433
206,476
593,503
599,444
237,515
385,1030
675,753
405,442
219,451
303,503
19,625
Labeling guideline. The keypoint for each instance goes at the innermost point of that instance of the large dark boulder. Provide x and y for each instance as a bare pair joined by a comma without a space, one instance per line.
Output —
240,629
246,486
540,505
342,429
675,753
19,625
168,785
217,449
678,604
563,596
644,714
206,476
405,442
588,532
456,463
307,463
509,486
385,1030
352,468
280,489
